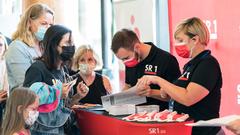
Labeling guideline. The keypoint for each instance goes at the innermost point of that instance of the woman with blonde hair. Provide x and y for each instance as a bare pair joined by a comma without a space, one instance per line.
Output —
3,70
21,112
4,87
197,91
26,46
84,62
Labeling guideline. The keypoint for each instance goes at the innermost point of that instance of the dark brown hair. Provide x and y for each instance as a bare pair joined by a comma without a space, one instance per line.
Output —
124,38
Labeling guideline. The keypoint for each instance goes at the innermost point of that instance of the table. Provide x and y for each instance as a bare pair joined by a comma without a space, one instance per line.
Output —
100,123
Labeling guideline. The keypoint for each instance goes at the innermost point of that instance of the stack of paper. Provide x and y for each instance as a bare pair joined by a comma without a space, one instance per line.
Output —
125,97
147,108
223,121
122,109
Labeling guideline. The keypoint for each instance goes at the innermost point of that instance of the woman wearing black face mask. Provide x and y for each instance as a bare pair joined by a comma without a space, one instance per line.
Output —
58,50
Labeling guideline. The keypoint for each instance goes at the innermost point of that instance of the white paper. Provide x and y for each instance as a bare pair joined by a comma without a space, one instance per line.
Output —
223,121
125,97
122,109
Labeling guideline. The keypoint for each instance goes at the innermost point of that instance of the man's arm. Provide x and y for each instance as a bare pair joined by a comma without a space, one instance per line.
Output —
126,87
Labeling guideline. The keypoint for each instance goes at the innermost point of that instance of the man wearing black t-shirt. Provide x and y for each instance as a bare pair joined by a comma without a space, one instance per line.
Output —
144,59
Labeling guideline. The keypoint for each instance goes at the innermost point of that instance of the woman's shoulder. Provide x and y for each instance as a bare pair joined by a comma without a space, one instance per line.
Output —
16,47
18,44
39,64
210,60
107,84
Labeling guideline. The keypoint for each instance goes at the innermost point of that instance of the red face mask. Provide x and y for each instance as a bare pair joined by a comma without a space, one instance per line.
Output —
182,50
132,62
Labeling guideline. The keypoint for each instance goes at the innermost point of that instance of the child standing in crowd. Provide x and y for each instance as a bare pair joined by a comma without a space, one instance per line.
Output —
85,61
3,71
21,112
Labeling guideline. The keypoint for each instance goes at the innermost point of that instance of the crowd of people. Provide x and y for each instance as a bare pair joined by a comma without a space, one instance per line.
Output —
43,78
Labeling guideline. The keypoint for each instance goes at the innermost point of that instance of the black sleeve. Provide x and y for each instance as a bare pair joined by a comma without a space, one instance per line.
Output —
173,71
127,81
32,75
206,74
130,76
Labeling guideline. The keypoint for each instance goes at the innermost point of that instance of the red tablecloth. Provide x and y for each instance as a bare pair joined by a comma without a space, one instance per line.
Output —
95,123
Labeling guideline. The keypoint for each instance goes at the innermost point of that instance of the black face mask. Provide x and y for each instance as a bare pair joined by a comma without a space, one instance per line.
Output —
67,52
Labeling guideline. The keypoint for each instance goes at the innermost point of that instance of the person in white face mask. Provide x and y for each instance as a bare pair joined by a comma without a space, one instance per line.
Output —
84,63
26,45
21,112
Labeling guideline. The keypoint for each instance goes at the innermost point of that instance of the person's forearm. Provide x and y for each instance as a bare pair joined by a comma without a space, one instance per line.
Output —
126,87
157,95
75,99
177,93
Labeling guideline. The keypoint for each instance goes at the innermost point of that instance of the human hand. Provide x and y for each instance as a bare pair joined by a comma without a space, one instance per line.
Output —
82,89
234,126
143,90
147,80
66,87
163,94
3,95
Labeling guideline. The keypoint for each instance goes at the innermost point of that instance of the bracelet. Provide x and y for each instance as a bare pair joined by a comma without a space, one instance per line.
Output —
163,95
79,96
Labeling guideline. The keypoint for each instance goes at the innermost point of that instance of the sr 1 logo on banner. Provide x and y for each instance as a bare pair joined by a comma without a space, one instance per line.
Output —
212,28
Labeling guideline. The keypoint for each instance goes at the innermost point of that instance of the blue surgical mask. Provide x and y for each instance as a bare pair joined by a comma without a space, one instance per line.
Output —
40,33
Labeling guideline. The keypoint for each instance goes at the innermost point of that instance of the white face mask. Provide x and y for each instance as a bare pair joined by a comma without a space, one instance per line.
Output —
32,117
86,68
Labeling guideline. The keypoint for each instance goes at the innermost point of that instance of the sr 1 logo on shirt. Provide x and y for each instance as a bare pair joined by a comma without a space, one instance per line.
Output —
150,69
184,76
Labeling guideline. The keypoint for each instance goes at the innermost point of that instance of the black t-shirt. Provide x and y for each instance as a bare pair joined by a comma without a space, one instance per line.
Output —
96,90
204,70
157,63
38,72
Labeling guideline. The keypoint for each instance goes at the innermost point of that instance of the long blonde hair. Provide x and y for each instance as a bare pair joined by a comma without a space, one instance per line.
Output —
23,31
13,119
